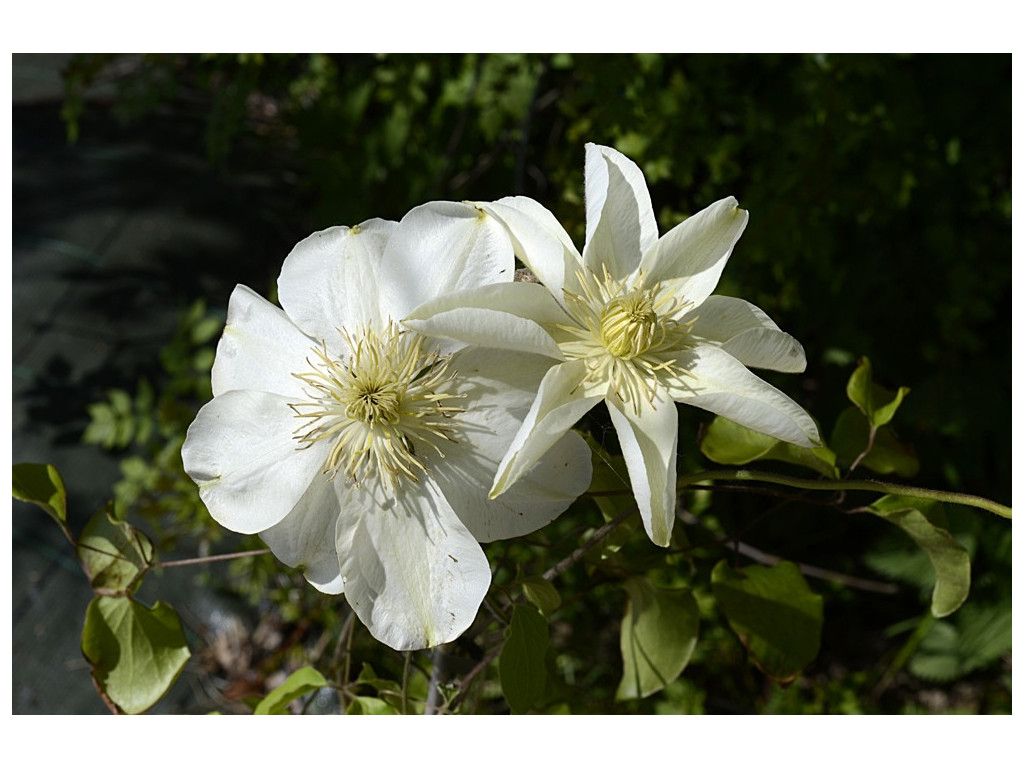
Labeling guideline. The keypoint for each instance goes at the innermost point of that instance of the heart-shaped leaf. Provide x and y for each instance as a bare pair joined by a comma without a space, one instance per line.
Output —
774,613
42,485
136,652
657,638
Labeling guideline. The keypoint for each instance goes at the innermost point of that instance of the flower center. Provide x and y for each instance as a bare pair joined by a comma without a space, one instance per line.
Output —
628,335
375,402
377,406
629,325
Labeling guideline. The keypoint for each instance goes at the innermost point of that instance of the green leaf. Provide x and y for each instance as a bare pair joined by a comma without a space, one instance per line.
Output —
521,664
112,424
950,560
657,638
113,553
978,636
136,652
887,455
368,675
299,683
42,485
542,593
367,705
774,613
877,403
726,442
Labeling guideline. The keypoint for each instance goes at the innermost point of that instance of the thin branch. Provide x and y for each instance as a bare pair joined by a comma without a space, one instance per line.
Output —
559,568
464,683
211,558
765,558
434,687
405,682
344,646
877,486
867,449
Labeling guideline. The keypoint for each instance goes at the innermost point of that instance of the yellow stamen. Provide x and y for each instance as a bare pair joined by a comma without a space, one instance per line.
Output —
377,406
627,334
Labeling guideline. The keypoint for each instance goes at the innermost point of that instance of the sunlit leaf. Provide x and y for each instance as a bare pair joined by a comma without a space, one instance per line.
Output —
542,593
775,614
657,637
369,676
136,652
521,664
367,705
950,560
42,485
877,403
113,553
726,442
299,683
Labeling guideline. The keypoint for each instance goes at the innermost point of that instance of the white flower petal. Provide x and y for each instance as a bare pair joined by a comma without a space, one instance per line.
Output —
502,316
562,399
534,500
691,256
748,334
649,442
250,469
539,240
620,219
329,280
718,382
260,348
440,248
306,537
499,388
413,574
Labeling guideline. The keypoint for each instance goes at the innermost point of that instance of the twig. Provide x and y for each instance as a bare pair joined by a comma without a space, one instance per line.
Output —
877,486
434,687
484,663
211,558
559,568
765,558
867,449
405,681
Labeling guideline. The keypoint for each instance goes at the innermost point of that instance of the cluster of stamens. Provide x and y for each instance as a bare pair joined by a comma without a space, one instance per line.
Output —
627,334
376,406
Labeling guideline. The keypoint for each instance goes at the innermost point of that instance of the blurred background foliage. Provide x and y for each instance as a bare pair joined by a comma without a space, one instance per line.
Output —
879,193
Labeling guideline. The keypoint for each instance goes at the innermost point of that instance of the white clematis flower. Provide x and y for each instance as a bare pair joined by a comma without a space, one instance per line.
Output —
631,322
361,451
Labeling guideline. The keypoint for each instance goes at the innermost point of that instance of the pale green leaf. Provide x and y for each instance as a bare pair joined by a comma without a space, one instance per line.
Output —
657,637
367,705
950,560
877,403
113,553
521,664
299,683
726,442
136,652
42,485
542,593
775,614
